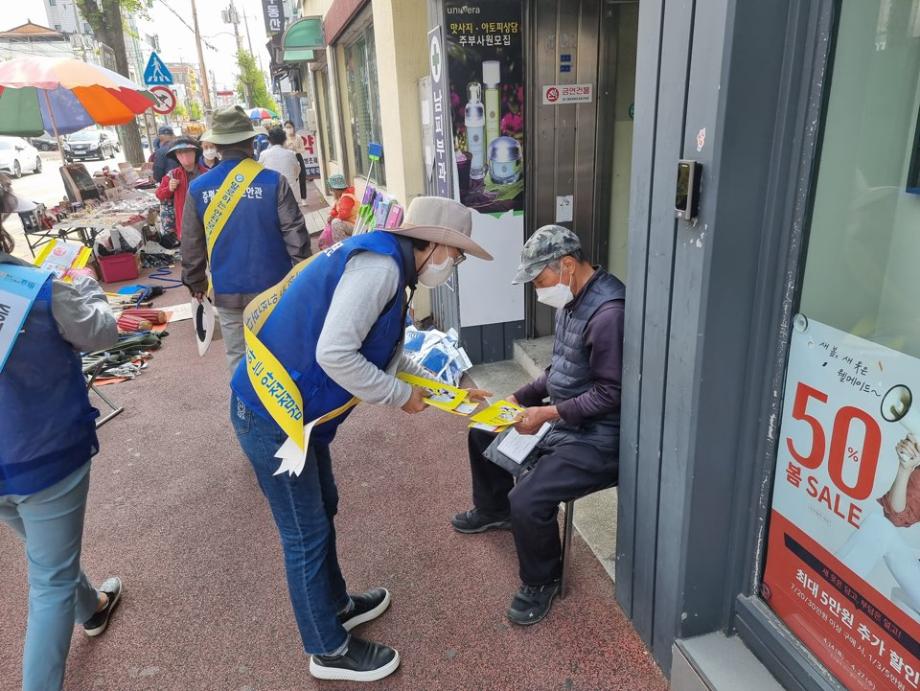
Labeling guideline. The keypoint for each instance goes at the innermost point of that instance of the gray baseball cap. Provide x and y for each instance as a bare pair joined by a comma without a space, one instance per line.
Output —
548,244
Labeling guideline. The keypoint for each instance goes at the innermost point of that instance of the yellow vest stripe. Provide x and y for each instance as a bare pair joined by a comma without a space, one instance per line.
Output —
272,383
226,198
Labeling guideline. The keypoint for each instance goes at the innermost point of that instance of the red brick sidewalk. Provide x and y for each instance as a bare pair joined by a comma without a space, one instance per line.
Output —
175,510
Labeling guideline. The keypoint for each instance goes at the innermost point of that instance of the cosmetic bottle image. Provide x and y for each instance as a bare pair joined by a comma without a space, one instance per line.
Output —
474,119
491,76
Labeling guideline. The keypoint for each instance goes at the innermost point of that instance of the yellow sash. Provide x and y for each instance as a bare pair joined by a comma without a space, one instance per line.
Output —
226,198
273,384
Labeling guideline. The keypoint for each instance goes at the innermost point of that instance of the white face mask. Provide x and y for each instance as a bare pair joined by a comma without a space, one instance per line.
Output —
557,296
210,153
434,275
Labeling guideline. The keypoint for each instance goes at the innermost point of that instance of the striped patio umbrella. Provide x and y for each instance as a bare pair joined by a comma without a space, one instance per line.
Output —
63,95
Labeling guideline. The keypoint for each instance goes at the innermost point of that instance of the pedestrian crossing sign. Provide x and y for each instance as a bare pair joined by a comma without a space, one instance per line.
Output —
157,72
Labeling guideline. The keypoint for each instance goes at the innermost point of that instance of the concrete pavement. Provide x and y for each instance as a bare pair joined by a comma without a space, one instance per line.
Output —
175,510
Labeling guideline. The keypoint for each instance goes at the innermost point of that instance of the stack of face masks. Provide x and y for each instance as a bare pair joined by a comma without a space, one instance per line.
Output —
438,352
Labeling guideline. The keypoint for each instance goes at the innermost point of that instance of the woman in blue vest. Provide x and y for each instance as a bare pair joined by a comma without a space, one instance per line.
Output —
337,330
48,435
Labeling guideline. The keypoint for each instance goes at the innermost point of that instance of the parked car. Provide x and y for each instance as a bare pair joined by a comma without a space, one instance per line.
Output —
46,142
113,135
87,144
17,156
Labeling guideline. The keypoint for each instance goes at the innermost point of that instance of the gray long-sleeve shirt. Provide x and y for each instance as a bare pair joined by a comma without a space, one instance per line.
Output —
292,227
80,310
368,283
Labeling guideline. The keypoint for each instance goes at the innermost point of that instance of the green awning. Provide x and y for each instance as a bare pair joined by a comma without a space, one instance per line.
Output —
298,55
302,38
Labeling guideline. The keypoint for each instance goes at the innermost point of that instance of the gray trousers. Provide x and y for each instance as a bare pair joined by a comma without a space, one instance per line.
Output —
231,326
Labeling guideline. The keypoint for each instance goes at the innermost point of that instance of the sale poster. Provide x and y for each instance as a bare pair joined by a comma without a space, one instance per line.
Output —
843,555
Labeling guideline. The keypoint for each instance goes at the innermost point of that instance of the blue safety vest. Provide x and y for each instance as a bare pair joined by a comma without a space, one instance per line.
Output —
294,327
47,425
250,255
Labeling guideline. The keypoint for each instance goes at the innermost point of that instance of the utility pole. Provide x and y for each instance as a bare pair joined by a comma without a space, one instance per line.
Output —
233,17
205,89
248,36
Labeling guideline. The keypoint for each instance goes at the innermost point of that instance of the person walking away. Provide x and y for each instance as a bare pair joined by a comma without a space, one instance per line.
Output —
335,326
49,436
580,452
298,144
162,164
241,221
174,185
277,157
340,223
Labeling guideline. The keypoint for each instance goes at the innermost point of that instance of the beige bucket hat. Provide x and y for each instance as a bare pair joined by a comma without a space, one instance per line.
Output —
442,221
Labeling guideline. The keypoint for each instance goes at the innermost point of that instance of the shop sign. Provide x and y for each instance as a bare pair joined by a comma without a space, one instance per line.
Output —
564,94
274,16
310,159
842,567
440,106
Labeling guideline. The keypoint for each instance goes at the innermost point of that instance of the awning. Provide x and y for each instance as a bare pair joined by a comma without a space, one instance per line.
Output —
298,55
302,39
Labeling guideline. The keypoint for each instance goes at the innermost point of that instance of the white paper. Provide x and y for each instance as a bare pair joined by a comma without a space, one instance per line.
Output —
293,459
178,313
564,206
518,446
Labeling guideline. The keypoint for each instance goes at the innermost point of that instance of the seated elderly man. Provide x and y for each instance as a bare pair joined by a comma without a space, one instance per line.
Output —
580,452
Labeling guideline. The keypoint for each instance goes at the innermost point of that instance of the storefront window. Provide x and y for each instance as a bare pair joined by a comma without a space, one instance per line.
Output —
325,110
842,566
364,101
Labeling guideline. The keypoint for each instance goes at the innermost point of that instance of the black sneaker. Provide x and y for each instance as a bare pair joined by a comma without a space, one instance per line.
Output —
363,661
97,623
476,521
532,602
368,606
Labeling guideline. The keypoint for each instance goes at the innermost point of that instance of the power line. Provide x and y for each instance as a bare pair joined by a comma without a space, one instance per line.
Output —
185,24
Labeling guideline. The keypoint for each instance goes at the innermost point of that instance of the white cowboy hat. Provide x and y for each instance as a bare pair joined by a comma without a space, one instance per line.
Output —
443,222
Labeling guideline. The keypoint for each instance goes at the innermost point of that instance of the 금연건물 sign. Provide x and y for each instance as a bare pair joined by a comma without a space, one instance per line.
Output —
564,94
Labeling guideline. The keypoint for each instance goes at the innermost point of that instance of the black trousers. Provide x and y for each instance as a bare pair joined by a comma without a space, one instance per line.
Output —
563,472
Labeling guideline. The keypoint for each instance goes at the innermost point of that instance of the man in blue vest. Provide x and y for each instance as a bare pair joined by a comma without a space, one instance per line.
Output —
48,433
580,452
335,327
248,234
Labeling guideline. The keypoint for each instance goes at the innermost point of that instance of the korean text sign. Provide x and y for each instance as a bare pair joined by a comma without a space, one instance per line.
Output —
842,565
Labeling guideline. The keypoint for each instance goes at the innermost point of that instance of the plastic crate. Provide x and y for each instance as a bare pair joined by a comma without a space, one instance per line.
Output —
119,267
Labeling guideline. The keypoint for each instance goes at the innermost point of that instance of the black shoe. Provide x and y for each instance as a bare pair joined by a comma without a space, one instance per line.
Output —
532,602
368,606
97,623
476,521
363,661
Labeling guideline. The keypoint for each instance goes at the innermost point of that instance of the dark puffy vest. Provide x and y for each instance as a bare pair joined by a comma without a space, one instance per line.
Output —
570,372
47,425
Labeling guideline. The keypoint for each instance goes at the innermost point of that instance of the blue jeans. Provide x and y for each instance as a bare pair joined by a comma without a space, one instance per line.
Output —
60,595
304,508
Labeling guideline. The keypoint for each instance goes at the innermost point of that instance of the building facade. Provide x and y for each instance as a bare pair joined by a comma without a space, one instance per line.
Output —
34,39
752,171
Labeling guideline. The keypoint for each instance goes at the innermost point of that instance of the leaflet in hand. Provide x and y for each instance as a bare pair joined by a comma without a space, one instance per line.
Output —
497,416
440,395
518,446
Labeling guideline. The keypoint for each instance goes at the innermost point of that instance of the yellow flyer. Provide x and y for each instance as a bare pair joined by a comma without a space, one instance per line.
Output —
440,395
499,414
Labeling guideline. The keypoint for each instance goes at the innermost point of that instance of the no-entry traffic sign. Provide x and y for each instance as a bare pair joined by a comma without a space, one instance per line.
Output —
166,99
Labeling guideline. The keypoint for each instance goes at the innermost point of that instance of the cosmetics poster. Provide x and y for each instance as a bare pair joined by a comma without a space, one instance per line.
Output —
485,49
484,43
842,567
